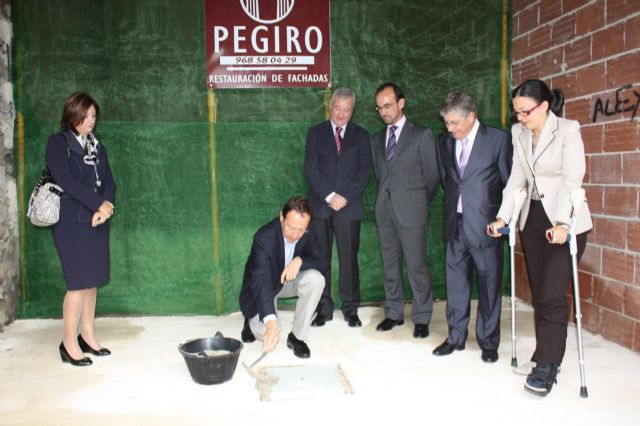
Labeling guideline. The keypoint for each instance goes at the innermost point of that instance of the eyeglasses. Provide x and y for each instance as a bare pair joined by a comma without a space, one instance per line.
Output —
385,107
297,231
527,112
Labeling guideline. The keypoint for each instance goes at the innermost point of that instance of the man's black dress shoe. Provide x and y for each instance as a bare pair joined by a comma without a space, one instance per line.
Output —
77,362
300,348
247,335
387,324
447,348
353,320
88,349
320,320
420,331
489,355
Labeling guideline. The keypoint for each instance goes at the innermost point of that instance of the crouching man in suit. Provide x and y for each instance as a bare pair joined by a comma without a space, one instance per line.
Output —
285,261
475,162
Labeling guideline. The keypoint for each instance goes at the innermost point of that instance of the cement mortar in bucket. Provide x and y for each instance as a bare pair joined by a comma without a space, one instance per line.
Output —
211,360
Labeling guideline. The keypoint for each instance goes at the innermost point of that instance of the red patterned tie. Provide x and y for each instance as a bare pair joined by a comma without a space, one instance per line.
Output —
338,139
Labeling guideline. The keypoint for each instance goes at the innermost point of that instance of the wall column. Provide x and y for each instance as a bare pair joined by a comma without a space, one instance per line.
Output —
9,250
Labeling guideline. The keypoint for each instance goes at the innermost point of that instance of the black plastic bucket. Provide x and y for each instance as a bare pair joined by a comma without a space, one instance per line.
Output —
211,369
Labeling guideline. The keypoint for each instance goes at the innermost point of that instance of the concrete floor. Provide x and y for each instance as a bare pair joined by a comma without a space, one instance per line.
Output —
394,377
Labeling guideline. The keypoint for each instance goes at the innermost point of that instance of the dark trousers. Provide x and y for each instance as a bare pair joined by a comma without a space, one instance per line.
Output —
550,271
461,259
347,234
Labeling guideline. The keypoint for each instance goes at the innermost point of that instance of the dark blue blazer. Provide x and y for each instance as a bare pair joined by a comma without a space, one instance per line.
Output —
346,173
261,282
79,201
481,186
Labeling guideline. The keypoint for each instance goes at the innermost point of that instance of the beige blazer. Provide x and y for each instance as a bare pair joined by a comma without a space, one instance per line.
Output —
557,168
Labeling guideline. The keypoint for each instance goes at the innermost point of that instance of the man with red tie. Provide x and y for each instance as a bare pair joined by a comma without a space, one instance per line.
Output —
337,165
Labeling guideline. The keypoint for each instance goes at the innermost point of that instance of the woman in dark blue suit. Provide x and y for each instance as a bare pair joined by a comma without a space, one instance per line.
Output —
79,164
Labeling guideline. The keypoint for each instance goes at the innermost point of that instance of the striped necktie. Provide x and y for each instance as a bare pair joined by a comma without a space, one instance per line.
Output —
391,143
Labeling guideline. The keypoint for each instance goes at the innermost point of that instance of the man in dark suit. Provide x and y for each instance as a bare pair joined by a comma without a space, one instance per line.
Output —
405,163
475,162
337,165
285,261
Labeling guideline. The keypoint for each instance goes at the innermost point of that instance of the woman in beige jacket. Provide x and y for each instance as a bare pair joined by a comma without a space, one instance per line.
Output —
549,163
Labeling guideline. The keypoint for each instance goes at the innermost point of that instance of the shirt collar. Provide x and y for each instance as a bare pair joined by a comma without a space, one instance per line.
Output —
471,137
343,129
399,124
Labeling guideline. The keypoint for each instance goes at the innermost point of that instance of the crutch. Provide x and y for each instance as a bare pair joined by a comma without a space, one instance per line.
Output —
518,198
577,199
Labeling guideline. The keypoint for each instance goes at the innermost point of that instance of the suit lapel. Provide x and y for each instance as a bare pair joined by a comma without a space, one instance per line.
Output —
348,137
477,148
547,136
74,145
300,245
450,146
406,137
280,237
525,143
330,137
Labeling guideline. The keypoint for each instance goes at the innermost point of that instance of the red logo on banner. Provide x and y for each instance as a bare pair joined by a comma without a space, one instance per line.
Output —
268,43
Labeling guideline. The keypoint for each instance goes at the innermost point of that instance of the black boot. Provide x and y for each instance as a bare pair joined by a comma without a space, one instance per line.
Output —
247,335
541,379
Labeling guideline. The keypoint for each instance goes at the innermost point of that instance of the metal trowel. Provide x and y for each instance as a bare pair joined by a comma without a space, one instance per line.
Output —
263,380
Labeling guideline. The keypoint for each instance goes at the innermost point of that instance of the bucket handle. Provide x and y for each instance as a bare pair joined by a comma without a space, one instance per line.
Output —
202,354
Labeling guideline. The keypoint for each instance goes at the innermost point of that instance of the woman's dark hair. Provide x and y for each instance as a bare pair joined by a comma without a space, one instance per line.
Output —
297,203
75,110
540,92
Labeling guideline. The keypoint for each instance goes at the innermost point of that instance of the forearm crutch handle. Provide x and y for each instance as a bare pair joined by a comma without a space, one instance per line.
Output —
549,235
505,230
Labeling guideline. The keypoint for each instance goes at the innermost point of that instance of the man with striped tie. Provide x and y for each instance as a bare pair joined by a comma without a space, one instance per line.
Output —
405,164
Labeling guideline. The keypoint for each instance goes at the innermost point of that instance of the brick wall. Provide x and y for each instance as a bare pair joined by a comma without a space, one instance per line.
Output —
591,50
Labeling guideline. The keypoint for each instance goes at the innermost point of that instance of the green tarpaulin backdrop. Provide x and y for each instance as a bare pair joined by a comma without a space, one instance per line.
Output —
144,62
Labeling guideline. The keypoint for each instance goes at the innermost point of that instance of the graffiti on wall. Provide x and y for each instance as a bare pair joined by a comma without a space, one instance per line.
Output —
626,100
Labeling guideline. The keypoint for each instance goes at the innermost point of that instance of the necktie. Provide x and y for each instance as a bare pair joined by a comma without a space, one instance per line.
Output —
464,156
391,143
338,139
462,164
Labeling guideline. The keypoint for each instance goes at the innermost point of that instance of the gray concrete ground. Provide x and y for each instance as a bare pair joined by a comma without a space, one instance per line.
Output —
395,377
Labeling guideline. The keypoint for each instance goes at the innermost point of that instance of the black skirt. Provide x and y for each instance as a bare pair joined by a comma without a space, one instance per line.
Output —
84,253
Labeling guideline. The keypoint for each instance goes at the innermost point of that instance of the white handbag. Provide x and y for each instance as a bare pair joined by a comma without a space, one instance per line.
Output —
44,203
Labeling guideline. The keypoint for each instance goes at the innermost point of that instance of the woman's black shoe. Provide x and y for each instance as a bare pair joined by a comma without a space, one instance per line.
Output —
77,362
86,348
